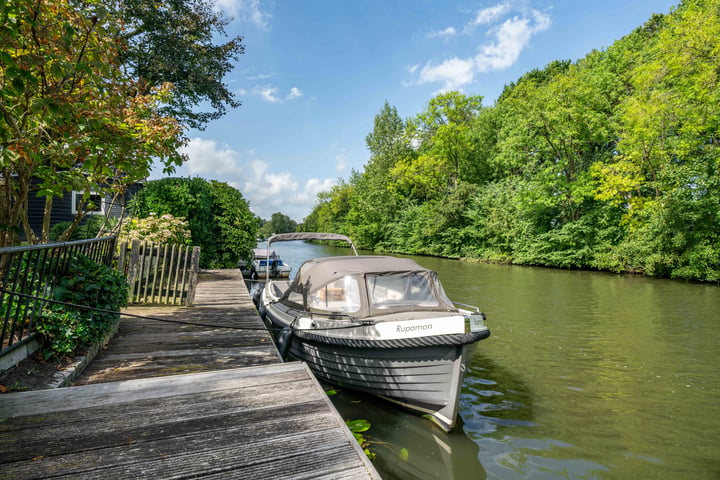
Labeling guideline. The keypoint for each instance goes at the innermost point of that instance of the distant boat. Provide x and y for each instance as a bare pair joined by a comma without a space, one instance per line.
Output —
265,263
377,324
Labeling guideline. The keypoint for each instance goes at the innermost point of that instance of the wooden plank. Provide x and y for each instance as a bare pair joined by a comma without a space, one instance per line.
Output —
93,433
247,397
162,365
270,422
282,457
189,340
44,401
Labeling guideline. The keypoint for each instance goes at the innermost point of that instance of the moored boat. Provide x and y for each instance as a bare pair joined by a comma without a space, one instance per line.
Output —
377,324
266,262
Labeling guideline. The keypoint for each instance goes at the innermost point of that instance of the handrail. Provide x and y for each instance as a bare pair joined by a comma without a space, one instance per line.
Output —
286,237
32,270
472,307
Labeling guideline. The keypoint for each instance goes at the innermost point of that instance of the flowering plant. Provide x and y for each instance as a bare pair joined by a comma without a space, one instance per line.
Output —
163,229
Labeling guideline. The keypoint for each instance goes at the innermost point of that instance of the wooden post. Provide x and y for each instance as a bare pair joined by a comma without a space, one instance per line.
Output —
133,270
122,258
194,267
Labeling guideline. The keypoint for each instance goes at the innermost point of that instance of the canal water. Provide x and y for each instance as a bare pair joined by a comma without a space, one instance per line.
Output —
586,375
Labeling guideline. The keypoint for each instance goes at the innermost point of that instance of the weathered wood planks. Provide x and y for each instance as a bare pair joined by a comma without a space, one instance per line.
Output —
193,340
260,422
184,408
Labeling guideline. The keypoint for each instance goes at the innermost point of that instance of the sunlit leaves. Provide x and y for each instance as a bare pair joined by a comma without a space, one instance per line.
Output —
610,162
70,119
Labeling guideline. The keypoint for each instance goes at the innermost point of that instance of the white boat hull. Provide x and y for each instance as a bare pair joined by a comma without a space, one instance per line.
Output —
423,378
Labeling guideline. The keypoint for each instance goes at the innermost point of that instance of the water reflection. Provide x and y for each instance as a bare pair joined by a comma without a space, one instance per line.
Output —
497,411
408,446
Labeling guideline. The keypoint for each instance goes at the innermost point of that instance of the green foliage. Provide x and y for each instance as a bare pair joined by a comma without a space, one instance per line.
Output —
163,229
71,116
217,215
91,227
235,227
278,223
68,329
358,427
611,162
178,43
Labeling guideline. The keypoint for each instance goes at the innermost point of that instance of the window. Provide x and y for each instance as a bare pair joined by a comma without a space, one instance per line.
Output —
94,205
400,289
342,295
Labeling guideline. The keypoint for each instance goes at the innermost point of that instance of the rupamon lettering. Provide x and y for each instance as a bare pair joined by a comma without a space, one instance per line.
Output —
413,328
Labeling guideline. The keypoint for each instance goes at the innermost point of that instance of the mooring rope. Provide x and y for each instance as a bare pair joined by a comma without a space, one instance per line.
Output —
167,320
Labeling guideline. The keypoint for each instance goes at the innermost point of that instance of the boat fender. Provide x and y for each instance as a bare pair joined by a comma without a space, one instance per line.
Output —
284,339
262,310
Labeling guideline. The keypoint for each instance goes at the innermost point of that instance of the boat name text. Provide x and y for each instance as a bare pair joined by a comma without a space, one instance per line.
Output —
413,328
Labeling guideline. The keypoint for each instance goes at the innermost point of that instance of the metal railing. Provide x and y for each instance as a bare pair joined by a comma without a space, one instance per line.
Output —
32,271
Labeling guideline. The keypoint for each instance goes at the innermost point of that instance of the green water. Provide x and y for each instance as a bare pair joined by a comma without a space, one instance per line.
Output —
586,375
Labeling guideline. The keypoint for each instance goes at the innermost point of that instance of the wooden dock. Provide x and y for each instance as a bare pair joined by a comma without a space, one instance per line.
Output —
171,400
222,330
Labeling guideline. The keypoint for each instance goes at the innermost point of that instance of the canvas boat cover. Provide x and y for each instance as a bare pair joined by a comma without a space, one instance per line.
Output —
308,236
363,286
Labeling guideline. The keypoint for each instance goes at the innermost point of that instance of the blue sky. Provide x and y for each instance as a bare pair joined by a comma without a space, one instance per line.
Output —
315,73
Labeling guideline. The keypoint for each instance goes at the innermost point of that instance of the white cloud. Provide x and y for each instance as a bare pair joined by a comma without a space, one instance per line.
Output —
489,15
448,32
453,73
341,162
294,93
206,156
261,76
510,39
267,191
268,94
246,10
272,94
507,41
309,193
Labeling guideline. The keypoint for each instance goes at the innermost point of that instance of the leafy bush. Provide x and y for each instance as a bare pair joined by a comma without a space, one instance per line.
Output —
68,329
217,215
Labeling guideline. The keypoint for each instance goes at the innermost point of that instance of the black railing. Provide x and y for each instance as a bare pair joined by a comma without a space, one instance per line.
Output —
28,273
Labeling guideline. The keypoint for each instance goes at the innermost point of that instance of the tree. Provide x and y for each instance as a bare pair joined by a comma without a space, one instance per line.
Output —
444,154
218,216
373,207
278,223
331,211
235,225
665,175
175,41
92,93
69,117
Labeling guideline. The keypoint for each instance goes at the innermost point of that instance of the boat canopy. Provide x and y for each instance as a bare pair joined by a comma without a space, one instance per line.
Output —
363,286
282,237
264,253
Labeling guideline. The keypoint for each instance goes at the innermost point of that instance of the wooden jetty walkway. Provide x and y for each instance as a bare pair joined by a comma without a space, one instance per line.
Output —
173,400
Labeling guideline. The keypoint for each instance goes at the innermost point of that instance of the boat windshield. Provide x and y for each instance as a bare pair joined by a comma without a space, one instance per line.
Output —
342,295
400,290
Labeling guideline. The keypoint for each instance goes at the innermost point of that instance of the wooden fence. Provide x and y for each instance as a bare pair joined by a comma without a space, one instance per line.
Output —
160,273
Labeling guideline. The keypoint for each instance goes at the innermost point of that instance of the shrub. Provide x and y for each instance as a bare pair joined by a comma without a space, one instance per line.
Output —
68,329
89,228
163,229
